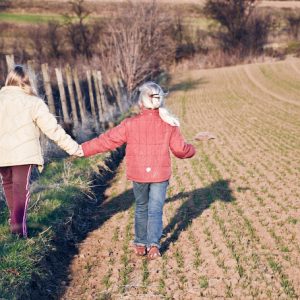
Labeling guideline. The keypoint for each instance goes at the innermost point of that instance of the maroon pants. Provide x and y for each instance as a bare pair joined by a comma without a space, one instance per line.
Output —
15,182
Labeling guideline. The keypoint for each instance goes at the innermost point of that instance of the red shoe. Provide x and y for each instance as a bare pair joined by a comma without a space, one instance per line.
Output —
153,253
140,250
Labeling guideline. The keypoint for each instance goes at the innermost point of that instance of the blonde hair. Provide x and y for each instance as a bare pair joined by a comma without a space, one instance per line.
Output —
152,97
19,77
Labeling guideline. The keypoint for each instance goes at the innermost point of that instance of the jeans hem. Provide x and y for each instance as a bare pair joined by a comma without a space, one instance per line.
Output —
153,245
139,244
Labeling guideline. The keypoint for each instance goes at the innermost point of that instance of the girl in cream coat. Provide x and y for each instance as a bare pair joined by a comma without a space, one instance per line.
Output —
22,116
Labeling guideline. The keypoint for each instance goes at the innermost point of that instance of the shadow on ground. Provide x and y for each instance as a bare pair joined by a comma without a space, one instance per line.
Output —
194,203
188,85
89,215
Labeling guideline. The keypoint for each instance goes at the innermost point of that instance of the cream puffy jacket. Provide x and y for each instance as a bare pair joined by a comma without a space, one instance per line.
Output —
22,116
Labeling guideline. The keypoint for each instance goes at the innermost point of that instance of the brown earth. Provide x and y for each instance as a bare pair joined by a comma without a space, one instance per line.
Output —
232,217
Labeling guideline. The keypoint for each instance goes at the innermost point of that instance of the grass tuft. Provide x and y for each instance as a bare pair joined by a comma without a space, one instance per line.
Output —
55,195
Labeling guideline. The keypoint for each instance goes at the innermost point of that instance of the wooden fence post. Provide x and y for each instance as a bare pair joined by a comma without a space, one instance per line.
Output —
118,96
48,88
10,61
102,94
3,73
92,101
81,103
62,94
115,107
32,76
100,112
124,92
71,93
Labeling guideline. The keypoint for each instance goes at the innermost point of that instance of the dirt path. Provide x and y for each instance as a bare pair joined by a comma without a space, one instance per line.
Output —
232,215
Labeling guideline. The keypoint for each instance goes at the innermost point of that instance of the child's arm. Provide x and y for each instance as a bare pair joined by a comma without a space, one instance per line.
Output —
179,147
49,126
109,140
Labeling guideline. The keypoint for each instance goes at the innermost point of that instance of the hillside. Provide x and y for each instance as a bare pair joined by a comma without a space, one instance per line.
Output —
232,217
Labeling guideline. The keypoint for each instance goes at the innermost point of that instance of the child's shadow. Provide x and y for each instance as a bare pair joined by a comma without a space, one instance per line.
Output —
197,201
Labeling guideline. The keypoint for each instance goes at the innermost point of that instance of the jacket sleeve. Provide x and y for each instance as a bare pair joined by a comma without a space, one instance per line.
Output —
178,145
107,141
49,126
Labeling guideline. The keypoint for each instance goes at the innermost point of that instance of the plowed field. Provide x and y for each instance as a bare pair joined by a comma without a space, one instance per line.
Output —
232,216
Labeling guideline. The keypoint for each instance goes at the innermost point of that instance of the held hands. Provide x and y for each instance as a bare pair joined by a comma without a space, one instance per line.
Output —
79,152
204,136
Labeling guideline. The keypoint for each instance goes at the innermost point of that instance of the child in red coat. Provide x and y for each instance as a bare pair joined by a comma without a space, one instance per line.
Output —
149,137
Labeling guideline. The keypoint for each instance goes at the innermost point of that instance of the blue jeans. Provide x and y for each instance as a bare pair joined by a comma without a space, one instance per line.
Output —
150,199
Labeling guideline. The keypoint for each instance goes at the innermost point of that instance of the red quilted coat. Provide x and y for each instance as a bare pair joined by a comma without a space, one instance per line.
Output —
148,140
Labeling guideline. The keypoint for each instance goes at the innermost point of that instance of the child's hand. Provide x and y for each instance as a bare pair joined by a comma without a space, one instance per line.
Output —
204,136
79,152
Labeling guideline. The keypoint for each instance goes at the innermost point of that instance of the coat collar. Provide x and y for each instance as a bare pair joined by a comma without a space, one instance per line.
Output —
11,88
145,111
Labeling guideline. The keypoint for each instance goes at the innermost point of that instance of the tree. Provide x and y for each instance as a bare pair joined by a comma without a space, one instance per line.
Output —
4,4
240,26
138,42
294,25
82,36
54,39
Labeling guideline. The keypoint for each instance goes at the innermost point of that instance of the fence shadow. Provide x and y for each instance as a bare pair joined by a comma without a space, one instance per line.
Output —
197,201
89,215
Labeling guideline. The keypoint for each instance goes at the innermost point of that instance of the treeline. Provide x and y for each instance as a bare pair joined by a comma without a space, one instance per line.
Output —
140,40
136,44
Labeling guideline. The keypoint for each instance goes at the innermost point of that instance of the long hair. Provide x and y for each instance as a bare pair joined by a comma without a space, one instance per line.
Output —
152,97
18,76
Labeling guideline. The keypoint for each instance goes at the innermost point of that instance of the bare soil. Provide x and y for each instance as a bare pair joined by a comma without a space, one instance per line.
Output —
232,216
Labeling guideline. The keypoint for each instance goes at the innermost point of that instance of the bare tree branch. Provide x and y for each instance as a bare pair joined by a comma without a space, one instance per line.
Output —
138,42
